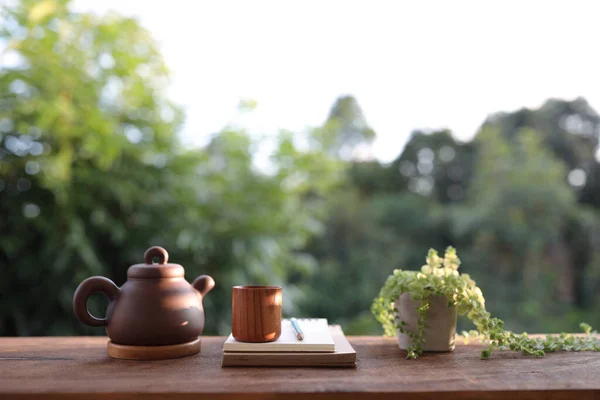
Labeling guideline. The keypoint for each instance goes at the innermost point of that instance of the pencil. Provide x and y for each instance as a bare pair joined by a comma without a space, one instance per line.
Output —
299,333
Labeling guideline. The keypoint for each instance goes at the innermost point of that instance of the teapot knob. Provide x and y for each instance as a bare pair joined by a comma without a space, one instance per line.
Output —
156,251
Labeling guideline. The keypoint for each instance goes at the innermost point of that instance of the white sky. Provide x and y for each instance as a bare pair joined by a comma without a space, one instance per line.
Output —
417,64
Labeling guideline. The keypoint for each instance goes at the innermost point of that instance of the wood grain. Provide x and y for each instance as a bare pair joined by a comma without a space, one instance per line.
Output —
256,313
78,367
124,352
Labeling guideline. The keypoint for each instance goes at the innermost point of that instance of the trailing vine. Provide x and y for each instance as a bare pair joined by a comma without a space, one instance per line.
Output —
440,277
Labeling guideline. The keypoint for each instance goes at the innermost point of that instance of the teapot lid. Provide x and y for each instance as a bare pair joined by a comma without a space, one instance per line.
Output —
151,270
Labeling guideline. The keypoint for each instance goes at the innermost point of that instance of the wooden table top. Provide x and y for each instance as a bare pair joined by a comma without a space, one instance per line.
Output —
55,367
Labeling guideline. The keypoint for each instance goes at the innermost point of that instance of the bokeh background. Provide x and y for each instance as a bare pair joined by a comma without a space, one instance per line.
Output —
236,136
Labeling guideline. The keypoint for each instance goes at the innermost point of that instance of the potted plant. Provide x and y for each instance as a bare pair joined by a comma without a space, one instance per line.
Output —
421,308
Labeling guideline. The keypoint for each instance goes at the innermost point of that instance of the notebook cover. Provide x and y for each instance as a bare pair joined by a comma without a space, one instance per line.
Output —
344,356
316,339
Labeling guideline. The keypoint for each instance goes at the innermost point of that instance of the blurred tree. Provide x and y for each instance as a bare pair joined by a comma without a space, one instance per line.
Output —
86,134
340,270
345,129
503,199
92,173
371,177
571,129
517,217
381,221
435,164
364,240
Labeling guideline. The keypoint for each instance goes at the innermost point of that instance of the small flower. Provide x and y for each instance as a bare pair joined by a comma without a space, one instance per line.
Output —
433,259
451,260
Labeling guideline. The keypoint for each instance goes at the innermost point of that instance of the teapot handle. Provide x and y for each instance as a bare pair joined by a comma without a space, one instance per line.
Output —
85,290
203,284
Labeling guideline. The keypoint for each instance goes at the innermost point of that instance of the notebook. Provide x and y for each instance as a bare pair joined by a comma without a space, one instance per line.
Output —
317,338
343,356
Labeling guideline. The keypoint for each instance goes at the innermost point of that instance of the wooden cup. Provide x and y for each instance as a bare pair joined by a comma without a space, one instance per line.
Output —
256,313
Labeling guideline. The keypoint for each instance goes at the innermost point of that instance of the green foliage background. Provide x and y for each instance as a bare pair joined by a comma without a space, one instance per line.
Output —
92,172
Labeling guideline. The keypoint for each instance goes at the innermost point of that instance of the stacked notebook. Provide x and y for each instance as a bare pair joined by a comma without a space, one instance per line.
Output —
323,346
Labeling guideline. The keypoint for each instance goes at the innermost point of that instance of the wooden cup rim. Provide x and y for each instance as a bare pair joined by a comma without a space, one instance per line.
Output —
256,287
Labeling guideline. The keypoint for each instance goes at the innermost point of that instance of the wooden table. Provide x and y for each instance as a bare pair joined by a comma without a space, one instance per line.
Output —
62,368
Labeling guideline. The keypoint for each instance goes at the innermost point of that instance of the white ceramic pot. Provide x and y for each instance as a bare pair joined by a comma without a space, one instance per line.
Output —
440,333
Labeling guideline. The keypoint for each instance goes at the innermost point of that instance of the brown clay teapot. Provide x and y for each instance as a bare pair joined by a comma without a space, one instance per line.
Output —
156,306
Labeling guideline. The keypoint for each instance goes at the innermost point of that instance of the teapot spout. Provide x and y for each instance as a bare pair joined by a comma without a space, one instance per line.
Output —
203,284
